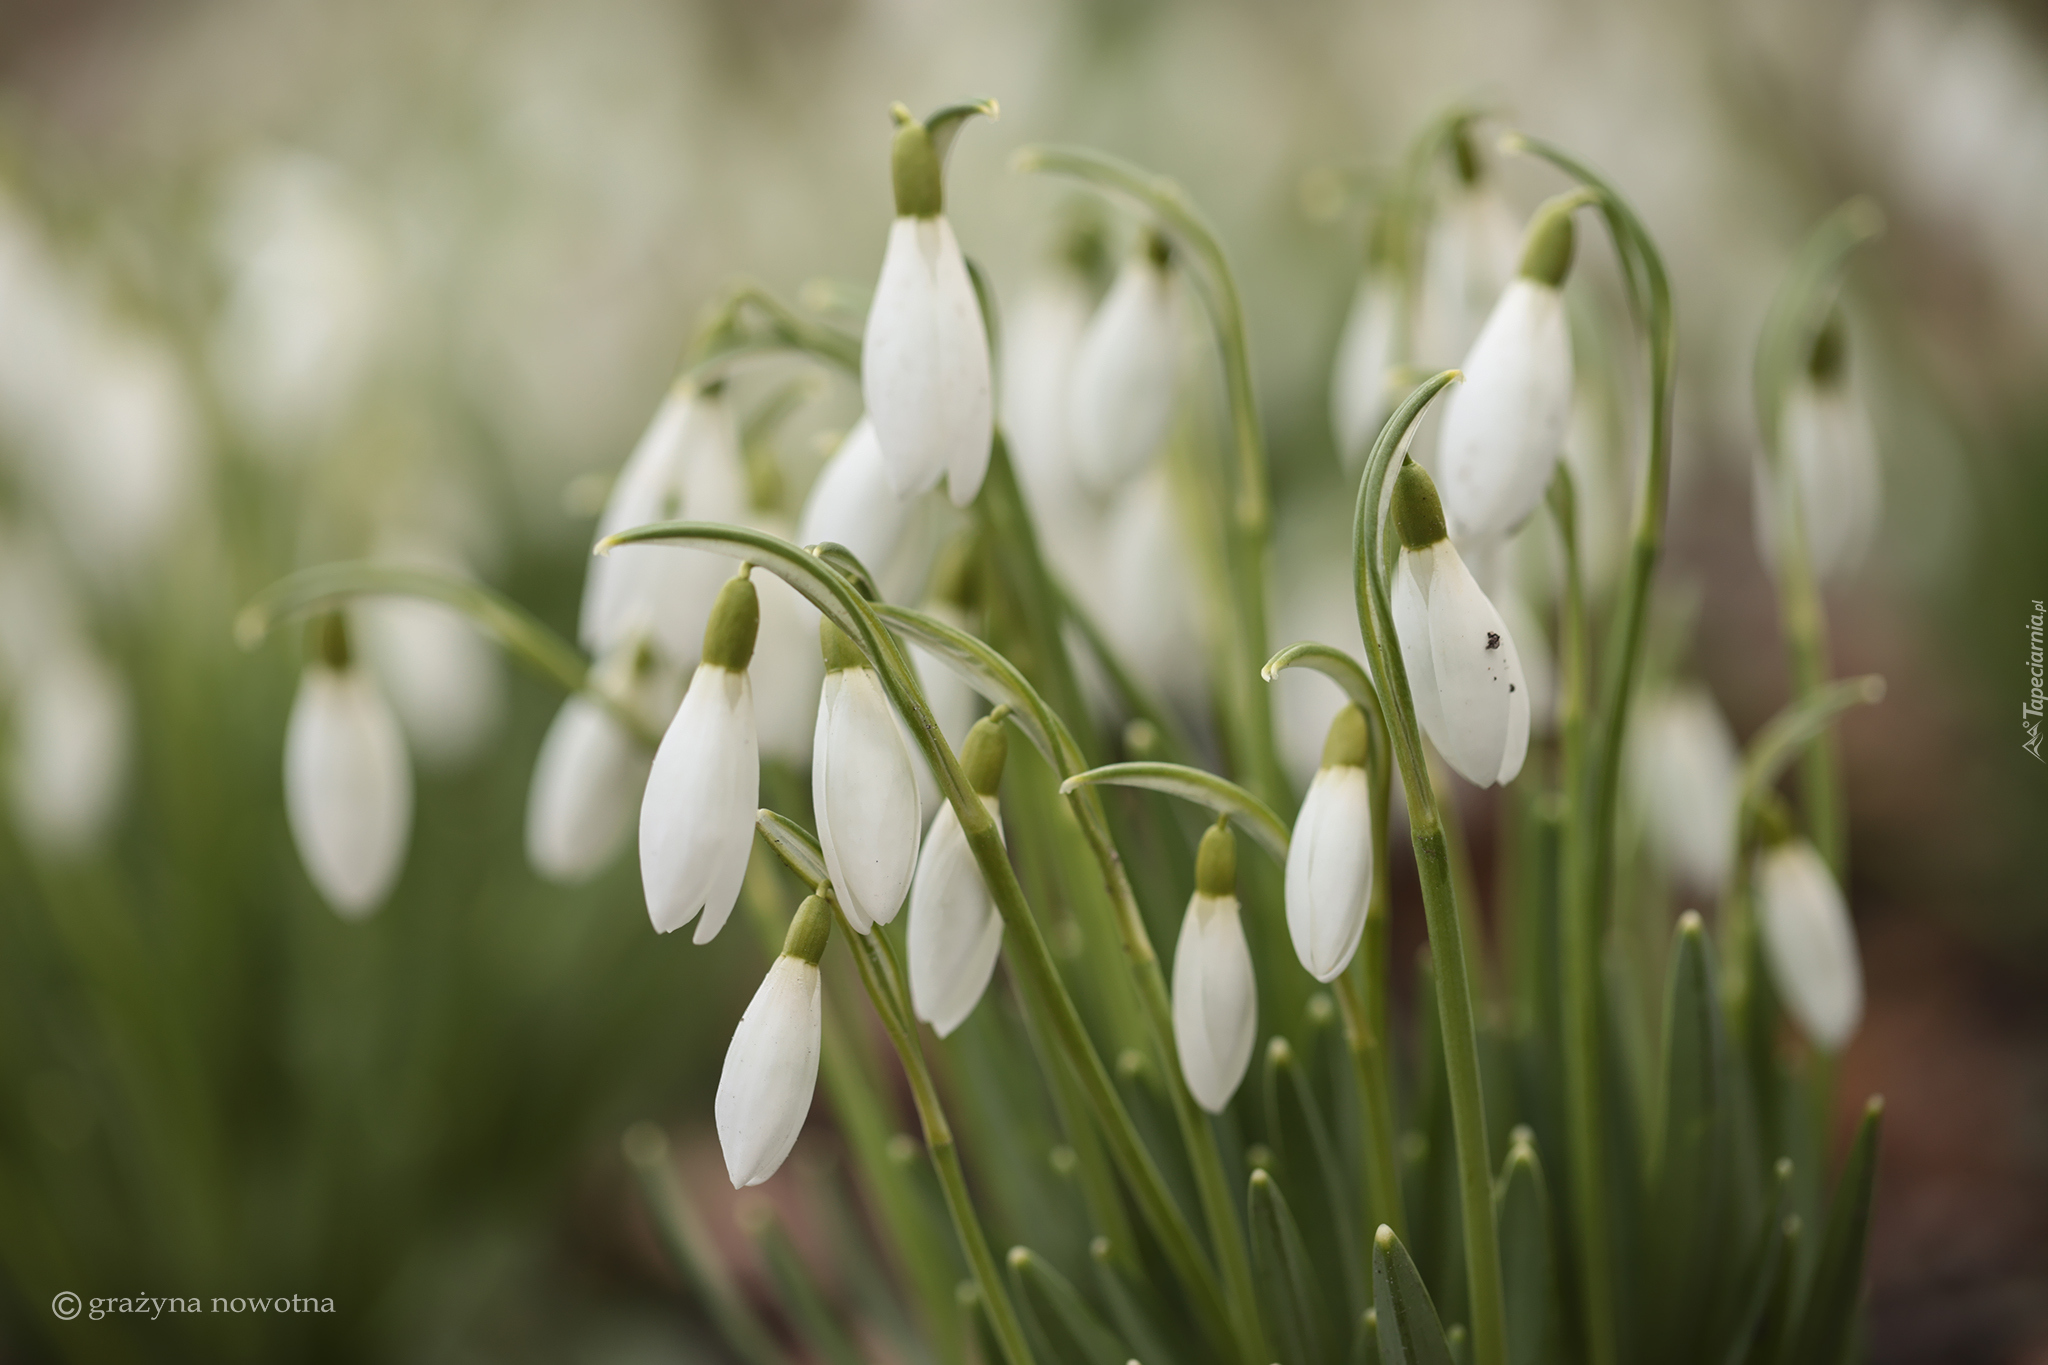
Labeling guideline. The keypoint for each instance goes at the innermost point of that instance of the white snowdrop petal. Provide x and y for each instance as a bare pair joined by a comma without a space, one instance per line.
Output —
1484,698
1504,427
785,671
1215,1000
587,782
1360,388
1810,942
1041,337
697,817
446,681
1410,602
852,502
67,753
1120,400
348,787
647,489
771,1072
1471,255
1684,766
925,364
1826,436
955,933
864,790
1329,871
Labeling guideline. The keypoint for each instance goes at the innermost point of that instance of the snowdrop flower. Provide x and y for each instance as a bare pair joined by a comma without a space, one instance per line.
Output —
347,785
1684,765
67,756
1041,336
955,931
863,787
1215,995
1468,258
1329,860
924,357
1830,470
1120,399
853,503
697,817
1362,377
1505,425
592,769
1463,671
1143,595
771,1069
1809,942
446,681
786,671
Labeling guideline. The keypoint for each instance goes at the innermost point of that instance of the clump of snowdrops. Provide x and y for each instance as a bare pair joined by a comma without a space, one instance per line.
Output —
1554,1156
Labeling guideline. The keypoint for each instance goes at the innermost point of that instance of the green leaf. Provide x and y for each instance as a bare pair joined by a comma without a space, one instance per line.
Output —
1203,788
1283,1275
1786,735
1132,1308
1070,1329
1307,1158
794,845
1528,1274
1365,1339
803,1303
1774,1326
1750,1290
1827,1320
1409,1331
819,583
849,566
992,675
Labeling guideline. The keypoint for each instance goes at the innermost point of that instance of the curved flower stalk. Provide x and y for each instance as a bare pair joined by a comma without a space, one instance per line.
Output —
1829,487
1330,857
592,768
771,1068
1809,942
1468,256
1504,428
1215,994
347,782
924,357
1463,669
863,787
1684,766
1121,394
697,816
955,932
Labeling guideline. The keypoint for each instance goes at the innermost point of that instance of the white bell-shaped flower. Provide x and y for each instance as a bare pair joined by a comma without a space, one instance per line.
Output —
1468,258
1041,336
1504,427
67,748
853,503
956,933
1363,375
1809,942
924,356
1121,391
697,816
863,787
1684,767
1463,670
1144,594
592,769
1830,467
347,782
771,1068
1329,859
446,681
1215,994
785,671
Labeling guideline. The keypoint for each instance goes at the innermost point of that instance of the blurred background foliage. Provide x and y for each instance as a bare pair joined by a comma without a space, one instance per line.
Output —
285,282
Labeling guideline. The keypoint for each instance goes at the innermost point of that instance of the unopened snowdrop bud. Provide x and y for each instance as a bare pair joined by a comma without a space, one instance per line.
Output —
697,817
1830,459
1684,765
1505,425
1362,376
1809,942
863,787
771,1069
955,931
1121,402
1215,995
924,358
347,784
1463,671
1329,860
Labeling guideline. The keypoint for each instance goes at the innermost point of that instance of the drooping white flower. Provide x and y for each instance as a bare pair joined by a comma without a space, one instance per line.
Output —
785,670
1463,670
1468,259
1041,336
1362,377
445,680
853,503
697,816
67,749
1329,859
771,1068
592,769
347,783
956,933
1809,942
1143,596
1215,994
924,355
863,788
1121,390
1684,765
1505,426
1830,469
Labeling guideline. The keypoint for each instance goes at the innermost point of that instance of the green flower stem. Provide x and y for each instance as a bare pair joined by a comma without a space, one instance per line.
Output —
1249,716
729,337
1439,899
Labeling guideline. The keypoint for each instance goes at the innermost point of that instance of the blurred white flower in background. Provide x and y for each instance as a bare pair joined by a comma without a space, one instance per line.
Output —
445,680
1120,389
1145,595
1473,246
1684,766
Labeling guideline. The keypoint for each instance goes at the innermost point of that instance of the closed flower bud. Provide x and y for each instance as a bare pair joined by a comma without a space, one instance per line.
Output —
1215,995
1684,766
1505,426
697,817
863,788
1829,456
956,933
347,783
1809,942
1120,401
1463,670
771,1068
1329,860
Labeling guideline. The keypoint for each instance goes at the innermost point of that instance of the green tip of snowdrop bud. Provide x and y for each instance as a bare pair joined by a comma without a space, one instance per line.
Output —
1418,511
771,1068
840,651
330,643
914,168
1158,250
1215,994
809,931
1345,746
1547,246
1828,361
1216,862
983,755
735,623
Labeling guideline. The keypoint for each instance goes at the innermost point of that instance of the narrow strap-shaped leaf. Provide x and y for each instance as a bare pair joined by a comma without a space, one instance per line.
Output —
1219,794
803,1303
989,673
1138,1319
849,566
1774,1325
1528,1272
1788,733
1827,1319
944,124
794,845
1750,1291
1332,663
1071,1329
1409,1331
1283,1276
1308,1158
1365,1339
